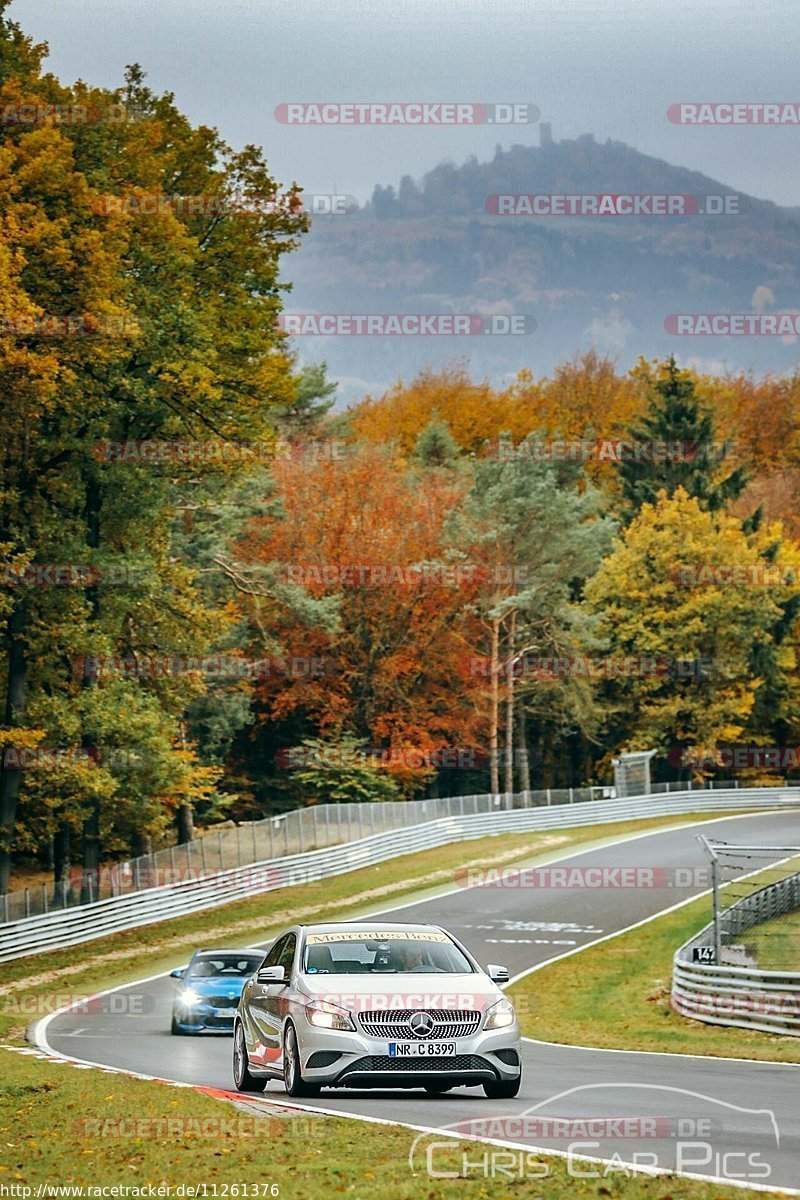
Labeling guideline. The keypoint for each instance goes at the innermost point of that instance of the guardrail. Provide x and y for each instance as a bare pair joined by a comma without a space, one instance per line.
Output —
278,836
70,927
747,997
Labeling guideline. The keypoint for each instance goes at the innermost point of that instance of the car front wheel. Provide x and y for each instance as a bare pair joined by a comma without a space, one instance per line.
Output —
245,1082
292,1075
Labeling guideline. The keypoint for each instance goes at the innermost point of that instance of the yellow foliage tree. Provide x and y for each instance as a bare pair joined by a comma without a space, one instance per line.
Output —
666,594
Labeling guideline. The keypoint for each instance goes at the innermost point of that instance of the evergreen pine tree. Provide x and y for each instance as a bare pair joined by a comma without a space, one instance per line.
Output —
692,461
435,445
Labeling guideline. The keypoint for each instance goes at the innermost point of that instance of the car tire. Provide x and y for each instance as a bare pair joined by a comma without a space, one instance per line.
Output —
175,1028
244,1081
502,1089
438,1089
292,1075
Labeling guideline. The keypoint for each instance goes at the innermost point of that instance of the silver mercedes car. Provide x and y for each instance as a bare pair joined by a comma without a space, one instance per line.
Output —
375,1004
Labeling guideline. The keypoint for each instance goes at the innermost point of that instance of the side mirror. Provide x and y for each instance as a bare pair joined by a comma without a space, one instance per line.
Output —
271,975
177,973
497,974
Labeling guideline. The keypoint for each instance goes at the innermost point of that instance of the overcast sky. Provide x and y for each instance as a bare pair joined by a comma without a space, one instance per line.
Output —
609,67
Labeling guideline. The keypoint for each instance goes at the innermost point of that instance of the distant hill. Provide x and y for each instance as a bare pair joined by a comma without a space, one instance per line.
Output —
604,281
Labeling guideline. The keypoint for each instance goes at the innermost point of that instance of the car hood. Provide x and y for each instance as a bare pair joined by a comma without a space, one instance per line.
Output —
214,986
365,993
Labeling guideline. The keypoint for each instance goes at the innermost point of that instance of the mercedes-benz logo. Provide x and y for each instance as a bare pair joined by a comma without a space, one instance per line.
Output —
421,1023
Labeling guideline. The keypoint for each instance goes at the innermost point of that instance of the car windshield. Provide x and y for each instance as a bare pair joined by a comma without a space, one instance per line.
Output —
226,965
381,953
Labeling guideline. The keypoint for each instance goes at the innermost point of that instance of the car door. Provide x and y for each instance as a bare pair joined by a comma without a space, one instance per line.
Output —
276,1000
259,1025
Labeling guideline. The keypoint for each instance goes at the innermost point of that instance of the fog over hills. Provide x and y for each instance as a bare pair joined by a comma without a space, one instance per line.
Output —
606,282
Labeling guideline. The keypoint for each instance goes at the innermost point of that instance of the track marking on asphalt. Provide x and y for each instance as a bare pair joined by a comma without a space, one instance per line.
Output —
39,1032
549,962
547,860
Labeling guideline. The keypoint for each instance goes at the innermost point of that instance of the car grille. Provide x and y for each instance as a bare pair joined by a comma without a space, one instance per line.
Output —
449,1023
380,1063
222,1001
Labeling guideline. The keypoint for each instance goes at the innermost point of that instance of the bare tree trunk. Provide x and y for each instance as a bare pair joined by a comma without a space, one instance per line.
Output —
90,880
141,844
512,639
522,742
185,811
185,824
494,714
61,863
11,774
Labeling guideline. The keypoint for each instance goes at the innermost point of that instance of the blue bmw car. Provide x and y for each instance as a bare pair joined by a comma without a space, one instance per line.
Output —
209,989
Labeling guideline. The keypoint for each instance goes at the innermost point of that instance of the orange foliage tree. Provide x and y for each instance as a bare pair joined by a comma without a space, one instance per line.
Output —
370,533
475,412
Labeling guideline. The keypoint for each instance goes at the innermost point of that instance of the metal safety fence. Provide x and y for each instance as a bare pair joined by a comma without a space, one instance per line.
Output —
203,890
311,828
720,980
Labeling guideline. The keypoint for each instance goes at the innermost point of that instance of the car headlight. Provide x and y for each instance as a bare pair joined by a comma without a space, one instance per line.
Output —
189,998
500,1015
325,1015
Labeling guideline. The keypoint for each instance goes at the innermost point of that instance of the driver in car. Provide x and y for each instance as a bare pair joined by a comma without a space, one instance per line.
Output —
412,960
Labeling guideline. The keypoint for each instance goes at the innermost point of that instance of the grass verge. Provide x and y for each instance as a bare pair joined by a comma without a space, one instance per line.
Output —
116,1131
776,943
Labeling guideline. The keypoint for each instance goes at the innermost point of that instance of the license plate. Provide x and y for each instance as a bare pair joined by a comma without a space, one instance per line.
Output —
422,1049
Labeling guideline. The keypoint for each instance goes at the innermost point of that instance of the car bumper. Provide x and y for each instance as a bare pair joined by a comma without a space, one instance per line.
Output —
205,1020
339,1058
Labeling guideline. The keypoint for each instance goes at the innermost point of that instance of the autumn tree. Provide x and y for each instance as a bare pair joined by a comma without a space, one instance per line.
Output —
159,324
369,536
666,597
475,413
677,434
536,532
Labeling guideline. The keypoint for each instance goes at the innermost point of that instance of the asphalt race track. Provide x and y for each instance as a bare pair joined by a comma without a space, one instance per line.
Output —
744,1117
